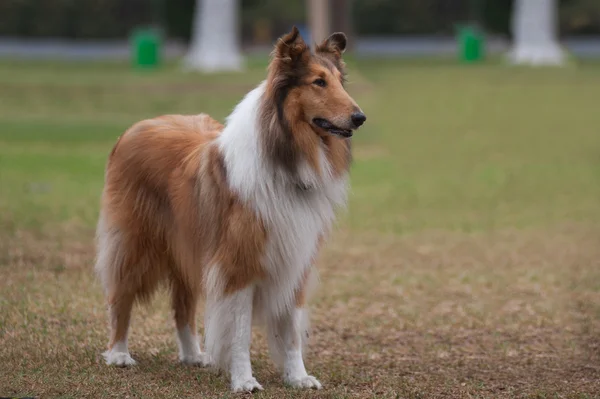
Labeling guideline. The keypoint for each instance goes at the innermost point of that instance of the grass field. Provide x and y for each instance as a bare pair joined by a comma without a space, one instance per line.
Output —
467,265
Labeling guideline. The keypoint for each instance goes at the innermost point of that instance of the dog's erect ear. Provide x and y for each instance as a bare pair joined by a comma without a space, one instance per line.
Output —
290,47
334,44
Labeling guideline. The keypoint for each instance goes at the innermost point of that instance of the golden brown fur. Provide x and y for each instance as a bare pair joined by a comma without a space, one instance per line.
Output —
165,190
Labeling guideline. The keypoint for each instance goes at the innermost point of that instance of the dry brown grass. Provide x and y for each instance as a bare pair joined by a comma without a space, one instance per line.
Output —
508,314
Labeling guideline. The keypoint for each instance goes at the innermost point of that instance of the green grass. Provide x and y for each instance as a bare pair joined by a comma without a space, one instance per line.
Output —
466,265
482,147
462,148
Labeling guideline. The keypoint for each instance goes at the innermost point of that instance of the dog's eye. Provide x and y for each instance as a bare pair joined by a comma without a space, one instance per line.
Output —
320,82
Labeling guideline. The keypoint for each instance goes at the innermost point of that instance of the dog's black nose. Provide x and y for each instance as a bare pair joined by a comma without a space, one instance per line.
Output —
358,118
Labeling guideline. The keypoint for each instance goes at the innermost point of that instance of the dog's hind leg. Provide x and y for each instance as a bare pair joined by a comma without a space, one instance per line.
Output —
109,268
120,305
185,300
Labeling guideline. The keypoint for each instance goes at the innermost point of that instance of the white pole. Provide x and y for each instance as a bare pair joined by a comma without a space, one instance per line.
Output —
215,43
534,25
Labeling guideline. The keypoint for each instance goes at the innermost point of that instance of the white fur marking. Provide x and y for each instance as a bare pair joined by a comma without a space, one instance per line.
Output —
189,348
285,341
249,385
305,382
228,330
118,355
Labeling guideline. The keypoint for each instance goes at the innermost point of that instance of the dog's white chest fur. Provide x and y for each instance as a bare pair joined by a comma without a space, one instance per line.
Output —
296,221
295,218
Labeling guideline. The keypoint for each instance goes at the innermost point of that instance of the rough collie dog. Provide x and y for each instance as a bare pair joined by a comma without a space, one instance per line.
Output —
233,213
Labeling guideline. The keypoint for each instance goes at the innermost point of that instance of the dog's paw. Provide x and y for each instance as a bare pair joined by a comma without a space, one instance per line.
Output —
119,359
201,360
307,382
250,385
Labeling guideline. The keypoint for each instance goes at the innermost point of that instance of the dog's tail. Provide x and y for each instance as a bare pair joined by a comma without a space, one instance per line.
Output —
109,254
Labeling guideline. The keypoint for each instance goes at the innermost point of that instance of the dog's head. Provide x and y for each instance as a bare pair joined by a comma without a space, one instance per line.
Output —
310,88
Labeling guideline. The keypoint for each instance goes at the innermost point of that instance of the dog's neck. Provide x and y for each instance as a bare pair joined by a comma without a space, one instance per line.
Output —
256,178
250,149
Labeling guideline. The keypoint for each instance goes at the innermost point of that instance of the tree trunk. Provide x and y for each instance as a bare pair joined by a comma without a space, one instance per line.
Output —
319,21
534,26
215,43
341,20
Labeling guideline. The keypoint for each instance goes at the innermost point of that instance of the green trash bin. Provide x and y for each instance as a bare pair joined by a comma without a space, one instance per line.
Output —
146,48
471,44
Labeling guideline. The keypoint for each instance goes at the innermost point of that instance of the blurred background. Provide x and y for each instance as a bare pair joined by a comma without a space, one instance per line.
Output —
468,262
91,28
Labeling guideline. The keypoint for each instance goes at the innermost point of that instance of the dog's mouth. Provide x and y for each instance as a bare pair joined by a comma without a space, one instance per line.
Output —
331,128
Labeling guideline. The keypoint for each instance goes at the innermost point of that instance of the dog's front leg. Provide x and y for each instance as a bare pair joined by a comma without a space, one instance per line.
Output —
285,336
228,332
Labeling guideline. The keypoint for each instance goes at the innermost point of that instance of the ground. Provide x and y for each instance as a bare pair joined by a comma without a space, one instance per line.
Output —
467,263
